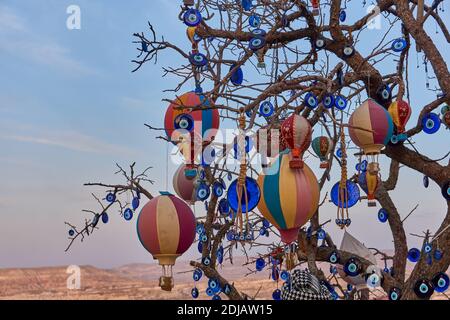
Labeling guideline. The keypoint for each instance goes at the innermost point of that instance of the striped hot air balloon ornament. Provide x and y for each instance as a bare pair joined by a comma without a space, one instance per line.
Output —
166,229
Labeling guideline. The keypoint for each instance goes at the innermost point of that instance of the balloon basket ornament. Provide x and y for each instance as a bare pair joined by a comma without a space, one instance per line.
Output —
166,281
296,162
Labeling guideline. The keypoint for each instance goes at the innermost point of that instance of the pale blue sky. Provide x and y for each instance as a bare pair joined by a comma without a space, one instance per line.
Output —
70,108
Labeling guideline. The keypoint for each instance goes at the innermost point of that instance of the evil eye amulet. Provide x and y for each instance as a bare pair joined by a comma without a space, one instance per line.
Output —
413,254
258,32
226,289
446,190
398,45
276,295
192,17
203,192
198,59
257,43
334,257
440,282
384,93
395,294
128,214
194,293
423,289
206,261
352,267
431,123
110,197
311,100
340,102
348,51
184,121
217,189
320,43
328,101
254,21
266,109
197,275
105,218
383,215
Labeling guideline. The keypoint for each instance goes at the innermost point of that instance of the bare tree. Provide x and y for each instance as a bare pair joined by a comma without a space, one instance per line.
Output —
302,53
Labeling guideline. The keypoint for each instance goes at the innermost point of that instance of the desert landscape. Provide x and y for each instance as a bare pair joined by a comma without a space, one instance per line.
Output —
134,281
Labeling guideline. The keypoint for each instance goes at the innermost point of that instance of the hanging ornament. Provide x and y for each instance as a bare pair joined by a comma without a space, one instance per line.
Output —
218,188
128,214
440,282
237,77
166,228
252,195
413,254
398,45
423,289
371,128
348,51
383,215
247,4
384,94
198,59
192,17
311,100
431,123
256,43
352,267
224,207
185,186
342,16
105,217
395,294
266,109
369,183
315,4
320,43
110,197
254,21
258,33
289,197
296,134
340,102
328,101
400,112
322,147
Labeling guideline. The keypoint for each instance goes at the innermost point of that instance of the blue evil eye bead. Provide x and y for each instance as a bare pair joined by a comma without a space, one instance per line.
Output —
247,4
284,275
237,77
218,188
192,17
311,100
373,280
321,234
395,294
340,102
184,122
266,223
276,295
230,236
437,255
135,203
259,33
198,59
203,238
426,181
71,232
200,228
220,255
206,261
352,267
413,254
200,247
203,191
333,270
431,123
348,51
339,153
440,282
197,275
383,215
349,287
253,195
384,93
394,139
319,43
262,231
254,21
213,284
352,195
342,15
248,145
427,248
266,109
224,207
358,167
105,218
226,289
386,270
216,297
423,289
328,101
398,45
202,174
446,190
194,293
363,165
256,43
110,197
334,257
209,292
128,214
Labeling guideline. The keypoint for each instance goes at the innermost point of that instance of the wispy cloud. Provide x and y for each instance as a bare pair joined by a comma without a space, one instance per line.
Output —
21,41
69,140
